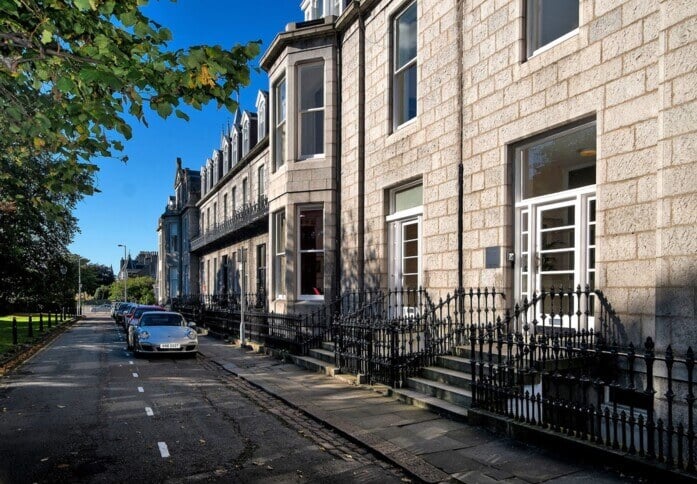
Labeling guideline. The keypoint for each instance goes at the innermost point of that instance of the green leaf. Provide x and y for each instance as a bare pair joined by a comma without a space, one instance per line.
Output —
66,85
181,114
82,5
46,36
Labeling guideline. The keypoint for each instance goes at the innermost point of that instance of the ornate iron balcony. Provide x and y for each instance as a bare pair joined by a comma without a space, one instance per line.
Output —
248,215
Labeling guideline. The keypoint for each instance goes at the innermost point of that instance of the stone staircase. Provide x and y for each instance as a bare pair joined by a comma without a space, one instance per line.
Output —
444,388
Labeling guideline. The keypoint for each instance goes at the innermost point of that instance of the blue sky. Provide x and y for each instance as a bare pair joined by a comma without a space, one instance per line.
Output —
133,195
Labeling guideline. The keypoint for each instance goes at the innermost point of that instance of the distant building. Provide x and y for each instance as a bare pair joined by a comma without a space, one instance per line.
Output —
177,271
145,264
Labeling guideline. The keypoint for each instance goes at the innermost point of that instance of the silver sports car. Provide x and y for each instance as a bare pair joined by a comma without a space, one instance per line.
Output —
164,332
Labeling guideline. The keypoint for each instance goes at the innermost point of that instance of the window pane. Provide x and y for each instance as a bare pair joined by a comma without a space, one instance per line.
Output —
409,198
312,133
312,274
406,36
281,101
410,282
311,87
551,19
405,95
311,230
280,144
558,163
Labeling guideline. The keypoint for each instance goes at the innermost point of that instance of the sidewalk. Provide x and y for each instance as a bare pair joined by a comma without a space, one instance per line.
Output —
428,447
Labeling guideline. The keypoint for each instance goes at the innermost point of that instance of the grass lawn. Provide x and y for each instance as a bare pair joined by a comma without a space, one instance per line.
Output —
22,325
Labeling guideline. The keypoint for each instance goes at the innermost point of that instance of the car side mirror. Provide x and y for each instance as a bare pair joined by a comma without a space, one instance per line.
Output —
191,324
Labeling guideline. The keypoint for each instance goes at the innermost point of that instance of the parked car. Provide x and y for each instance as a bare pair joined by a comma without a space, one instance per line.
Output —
162,332
127,313
115,308
133,321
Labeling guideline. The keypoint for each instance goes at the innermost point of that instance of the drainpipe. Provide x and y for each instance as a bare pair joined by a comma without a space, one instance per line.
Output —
337,170
460,169
361,154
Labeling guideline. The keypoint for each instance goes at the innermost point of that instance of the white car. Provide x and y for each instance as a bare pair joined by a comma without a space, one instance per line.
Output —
162,332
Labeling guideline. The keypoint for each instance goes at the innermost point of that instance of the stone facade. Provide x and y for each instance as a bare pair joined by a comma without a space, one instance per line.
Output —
567,159
177,268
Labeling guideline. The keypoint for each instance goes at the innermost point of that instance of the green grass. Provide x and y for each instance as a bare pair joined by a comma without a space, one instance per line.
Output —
22,329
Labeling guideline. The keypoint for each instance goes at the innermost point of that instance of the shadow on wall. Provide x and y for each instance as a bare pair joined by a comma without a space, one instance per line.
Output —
374,278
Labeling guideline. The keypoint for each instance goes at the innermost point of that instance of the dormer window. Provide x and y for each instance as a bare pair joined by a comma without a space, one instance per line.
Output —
261,127
235,153
226,157
245,137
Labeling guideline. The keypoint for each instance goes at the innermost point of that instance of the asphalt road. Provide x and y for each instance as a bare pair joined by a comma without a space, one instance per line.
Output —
85,410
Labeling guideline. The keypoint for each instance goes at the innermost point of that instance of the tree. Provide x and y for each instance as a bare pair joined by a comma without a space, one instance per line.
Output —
73,75
140,289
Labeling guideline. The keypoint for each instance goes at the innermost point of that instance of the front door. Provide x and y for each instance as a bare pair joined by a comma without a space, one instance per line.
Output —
557,250
405,272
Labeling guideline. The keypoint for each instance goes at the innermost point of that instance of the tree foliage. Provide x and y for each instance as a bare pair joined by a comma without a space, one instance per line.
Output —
140,289
73,75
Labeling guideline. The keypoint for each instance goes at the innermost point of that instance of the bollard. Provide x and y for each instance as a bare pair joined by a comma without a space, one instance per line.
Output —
49,320
14,331
30,329
41,322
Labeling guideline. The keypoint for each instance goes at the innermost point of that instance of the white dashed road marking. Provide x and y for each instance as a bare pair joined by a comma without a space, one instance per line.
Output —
130,362
148,412
164,452
140,390
135,375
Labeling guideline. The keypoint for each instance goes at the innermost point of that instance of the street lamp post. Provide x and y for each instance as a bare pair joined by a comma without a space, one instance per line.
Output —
125,273
79,286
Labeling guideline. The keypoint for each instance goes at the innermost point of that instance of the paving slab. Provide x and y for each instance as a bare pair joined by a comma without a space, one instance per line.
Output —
430,448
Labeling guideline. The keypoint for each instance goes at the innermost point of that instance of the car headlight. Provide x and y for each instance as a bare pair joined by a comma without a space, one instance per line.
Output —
143,335
191,334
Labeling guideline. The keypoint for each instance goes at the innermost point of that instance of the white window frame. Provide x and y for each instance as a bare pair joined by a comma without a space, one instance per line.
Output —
280,115
235,149
261,187
395,220
261,119
245,137
531,16
301,112
396,124
299,211
233,201
279,254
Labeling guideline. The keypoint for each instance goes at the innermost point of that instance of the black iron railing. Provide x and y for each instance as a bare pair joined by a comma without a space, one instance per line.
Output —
240,219
633,402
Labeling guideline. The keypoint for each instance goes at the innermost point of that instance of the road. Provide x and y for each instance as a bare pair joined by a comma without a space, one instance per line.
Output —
85,410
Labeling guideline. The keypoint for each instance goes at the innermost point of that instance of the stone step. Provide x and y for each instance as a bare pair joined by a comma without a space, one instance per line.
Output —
322,354
433,404
449,377
456,363
328,345
321,366
442,391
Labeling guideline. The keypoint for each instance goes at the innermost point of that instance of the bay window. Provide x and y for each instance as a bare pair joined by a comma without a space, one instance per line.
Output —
311,108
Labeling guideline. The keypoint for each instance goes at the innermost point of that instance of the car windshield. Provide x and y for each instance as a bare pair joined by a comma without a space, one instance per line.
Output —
140,311
162,320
